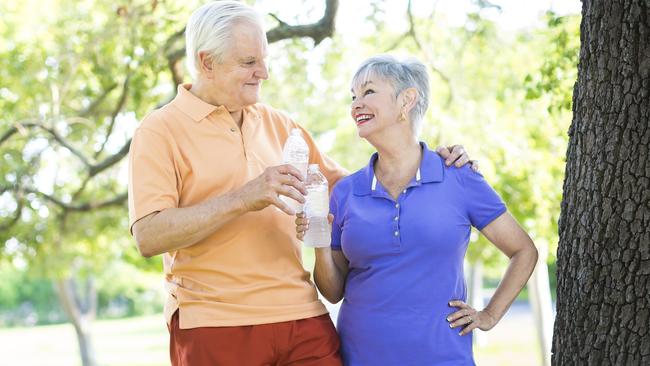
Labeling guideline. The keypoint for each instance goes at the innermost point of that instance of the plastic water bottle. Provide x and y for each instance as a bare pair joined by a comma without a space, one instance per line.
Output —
296,153
318,234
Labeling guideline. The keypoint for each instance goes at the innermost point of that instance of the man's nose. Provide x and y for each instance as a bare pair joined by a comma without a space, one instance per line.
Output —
263,71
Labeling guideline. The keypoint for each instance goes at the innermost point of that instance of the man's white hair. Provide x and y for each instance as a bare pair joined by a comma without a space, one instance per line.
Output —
210,29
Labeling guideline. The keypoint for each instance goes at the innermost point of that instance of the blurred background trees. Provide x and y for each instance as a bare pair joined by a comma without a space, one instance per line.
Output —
76,77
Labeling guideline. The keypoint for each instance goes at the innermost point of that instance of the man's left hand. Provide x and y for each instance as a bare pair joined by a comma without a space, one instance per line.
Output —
456,155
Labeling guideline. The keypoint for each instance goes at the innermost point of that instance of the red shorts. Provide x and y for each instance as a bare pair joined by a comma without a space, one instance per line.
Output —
304,342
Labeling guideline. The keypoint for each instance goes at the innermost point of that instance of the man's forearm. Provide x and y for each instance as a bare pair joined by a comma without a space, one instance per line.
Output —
177,228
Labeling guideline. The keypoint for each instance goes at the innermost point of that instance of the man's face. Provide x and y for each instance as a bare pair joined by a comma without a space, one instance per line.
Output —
237,80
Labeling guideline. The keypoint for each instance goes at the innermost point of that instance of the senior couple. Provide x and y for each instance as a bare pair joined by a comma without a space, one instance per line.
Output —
205,181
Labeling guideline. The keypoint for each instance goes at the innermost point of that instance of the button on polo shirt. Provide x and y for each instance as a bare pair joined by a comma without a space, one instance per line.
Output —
406,261
250,270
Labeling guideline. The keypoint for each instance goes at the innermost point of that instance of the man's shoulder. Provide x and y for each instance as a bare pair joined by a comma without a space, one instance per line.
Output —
159,120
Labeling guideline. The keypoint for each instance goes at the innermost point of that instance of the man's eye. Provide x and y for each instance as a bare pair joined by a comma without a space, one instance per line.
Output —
250,63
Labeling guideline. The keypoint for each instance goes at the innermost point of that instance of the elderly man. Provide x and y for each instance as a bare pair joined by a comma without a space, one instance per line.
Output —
205,173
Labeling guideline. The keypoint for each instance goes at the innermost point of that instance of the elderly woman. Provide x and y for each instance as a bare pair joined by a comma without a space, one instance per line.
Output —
400,231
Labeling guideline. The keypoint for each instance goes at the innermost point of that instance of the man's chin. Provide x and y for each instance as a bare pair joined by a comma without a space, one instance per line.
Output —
252,100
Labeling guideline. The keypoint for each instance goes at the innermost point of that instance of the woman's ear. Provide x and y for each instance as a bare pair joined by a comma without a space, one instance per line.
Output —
409,97
206,63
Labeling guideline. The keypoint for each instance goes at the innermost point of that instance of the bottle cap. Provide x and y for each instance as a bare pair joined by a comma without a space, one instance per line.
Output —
296,132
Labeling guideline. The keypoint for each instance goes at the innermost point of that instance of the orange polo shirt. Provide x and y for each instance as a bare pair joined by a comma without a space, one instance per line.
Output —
250,270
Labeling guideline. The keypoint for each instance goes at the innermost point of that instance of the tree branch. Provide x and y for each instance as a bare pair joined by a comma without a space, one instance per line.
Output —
175,66
93,169
429,59
17,127
317,31
15,218
58,138
83,207
110,161
67,145
91,108
118,108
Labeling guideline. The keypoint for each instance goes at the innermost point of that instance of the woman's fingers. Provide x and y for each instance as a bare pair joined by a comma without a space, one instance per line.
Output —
457,315
468,329
465,317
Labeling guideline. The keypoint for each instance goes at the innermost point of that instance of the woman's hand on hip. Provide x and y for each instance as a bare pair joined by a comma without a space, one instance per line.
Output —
469,318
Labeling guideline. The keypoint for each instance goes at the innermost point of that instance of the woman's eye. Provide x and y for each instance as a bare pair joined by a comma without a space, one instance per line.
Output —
369,91
353,98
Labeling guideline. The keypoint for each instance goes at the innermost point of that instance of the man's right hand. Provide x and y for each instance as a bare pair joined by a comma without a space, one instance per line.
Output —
266,189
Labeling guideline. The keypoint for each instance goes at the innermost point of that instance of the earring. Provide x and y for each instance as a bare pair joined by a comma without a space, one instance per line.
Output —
402,116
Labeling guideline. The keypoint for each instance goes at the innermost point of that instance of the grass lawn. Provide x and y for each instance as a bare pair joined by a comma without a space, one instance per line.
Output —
143,341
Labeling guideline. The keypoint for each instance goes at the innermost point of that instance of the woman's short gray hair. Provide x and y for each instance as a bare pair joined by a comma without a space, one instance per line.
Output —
210,29
401,74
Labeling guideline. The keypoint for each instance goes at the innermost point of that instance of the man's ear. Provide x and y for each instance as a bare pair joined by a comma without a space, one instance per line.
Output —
206,63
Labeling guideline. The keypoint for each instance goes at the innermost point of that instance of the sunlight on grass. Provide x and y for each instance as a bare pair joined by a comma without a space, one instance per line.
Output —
143,341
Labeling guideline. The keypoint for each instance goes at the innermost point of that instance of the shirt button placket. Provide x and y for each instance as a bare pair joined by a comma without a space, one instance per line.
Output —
396,223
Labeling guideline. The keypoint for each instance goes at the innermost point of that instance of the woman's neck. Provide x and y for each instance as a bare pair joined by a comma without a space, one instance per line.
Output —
398,156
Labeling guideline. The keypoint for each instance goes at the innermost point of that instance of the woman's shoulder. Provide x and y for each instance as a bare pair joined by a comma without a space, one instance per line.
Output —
345,186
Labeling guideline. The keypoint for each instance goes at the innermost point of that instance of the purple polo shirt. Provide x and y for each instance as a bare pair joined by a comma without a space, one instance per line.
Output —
406,262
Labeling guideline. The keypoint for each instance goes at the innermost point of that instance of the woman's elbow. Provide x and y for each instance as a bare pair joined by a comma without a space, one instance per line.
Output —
532,253
333,298
332,295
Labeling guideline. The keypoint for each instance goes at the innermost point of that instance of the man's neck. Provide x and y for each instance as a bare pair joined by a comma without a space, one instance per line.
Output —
203,92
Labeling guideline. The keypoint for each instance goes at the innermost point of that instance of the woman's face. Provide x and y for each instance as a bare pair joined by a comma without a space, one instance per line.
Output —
374,106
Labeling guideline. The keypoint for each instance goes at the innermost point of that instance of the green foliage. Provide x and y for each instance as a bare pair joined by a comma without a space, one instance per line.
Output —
88,79
63,68
482,80
123,289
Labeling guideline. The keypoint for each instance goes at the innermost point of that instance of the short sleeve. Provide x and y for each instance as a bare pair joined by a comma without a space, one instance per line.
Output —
152,177
336,225
482,203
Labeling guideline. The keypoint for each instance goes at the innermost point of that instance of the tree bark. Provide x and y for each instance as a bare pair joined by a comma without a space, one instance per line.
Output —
603,294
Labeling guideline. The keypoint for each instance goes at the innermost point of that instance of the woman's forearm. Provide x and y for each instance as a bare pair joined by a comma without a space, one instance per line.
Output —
329,277
519,270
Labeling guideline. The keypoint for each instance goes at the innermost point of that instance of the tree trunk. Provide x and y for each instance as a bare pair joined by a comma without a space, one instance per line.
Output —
81,312
603,302
539,297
